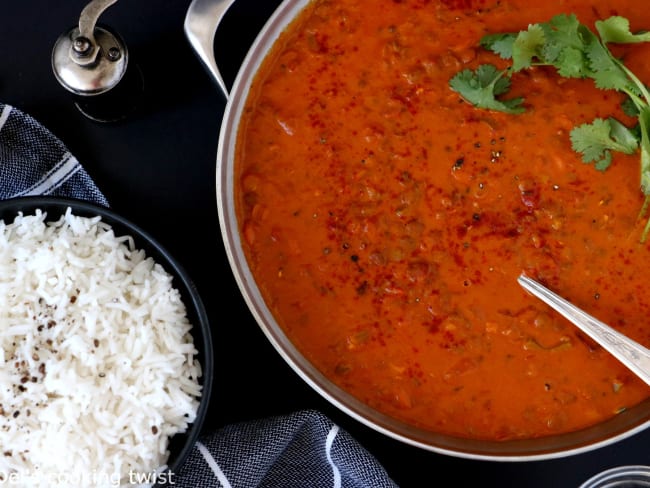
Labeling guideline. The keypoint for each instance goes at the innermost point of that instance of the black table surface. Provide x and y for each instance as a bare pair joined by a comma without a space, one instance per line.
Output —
157,167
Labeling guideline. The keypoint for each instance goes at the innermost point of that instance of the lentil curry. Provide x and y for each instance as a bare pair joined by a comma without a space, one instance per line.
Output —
386,220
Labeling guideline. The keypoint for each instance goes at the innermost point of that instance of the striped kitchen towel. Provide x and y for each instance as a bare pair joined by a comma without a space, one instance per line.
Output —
35,162
304,449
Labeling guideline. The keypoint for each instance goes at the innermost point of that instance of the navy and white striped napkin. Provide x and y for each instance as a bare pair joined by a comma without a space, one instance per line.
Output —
303,449
35,162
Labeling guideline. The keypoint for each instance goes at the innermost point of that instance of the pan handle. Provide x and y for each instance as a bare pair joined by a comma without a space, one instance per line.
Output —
201,22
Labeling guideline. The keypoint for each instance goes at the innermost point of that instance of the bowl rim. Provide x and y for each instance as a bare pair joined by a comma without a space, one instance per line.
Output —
617,475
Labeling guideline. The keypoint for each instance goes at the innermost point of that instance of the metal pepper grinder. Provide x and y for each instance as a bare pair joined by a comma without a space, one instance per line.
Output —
92,62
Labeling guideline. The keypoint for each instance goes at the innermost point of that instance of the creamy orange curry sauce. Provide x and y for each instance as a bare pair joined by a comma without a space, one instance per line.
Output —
386,220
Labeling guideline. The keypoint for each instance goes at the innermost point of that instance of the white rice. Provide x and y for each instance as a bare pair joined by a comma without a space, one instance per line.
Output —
97,365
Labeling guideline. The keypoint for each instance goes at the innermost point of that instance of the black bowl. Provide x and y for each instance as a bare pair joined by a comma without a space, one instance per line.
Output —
182,443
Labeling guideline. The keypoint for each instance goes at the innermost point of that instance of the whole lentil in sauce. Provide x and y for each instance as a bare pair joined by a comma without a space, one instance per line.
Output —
386,221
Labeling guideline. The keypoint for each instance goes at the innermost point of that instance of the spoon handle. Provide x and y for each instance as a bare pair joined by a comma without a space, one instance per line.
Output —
629,352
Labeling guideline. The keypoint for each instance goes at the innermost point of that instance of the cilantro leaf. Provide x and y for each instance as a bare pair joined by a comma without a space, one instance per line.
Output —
482,87
571,63
605,69
561,34
528,47
644,129
616,29
629,108
557,43
500,44
596,141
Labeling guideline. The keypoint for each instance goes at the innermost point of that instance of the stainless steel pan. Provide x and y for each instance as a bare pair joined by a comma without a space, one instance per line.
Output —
202,20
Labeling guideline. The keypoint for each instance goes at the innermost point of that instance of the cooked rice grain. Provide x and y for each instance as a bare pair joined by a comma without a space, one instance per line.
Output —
99,367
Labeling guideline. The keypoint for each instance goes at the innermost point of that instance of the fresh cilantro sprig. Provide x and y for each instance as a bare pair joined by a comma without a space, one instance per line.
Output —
575,52
596,141
483,86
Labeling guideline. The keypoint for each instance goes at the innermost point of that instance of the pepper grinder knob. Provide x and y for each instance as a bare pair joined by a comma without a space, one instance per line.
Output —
92,62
